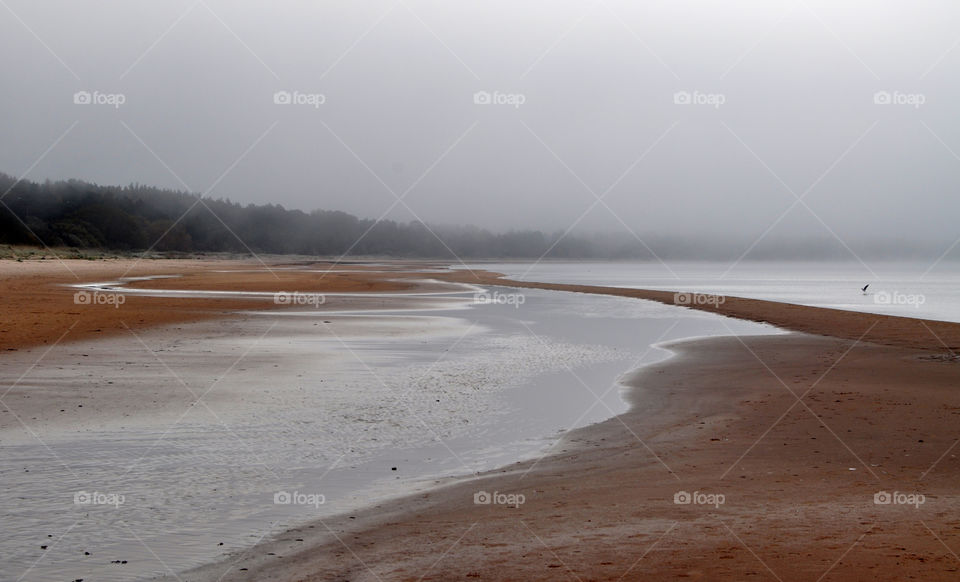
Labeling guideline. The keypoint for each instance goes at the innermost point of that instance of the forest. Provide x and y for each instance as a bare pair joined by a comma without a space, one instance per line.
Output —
79,214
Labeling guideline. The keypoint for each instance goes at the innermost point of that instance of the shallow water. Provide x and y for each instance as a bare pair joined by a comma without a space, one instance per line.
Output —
355,410
907,289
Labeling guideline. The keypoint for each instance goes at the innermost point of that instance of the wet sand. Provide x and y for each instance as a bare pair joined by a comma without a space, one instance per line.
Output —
798,481
799,433
39,311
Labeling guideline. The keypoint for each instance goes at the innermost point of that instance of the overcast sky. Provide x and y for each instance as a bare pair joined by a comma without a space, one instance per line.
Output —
777,100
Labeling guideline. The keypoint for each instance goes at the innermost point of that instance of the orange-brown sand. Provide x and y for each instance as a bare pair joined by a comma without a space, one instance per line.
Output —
38,306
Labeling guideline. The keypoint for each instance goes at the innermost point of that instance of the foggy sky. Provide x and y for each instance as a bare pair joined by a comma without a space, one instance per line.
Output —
795,82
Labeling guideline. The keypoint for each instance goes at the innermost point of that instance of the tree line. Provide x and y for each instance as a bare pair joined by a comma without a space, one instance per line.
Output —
136,218
74,213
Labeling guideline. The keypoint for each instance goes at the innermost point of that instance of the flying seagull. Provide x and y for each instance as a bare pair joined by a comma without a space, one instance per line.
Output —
864,288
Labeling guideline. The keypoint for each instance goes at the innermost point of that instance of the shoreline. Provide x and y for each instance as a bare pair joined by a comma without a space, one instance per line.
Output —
889,330
583,519
41,402
603,507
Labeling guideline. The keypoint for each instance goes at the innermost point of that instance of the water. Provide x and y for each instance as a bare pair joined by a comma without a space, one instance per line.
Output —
896,288
329,404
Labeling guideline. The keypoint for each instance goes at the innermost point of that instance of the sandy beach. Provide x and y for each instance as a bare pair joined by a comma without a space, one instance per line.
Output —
816,444
786,448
